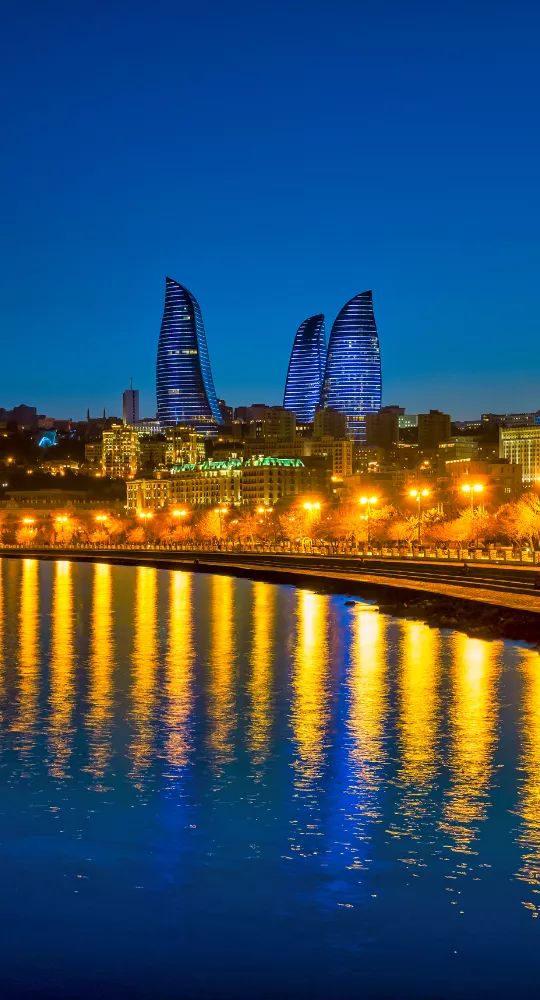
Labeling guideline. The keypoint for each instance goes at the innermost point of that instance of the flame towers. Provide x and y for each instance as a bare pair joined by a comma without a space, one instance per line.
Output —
352,378
184,383
306,369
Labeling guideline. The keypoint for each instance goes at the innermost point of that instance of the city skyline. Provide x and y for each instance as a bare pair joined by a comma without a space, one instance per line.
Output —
393,172
306,369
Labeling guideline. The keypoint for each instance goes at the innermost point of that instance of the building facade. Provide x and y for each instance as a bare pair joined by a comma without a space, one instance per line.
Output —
352,379
120,452
330,421
521,445
306,369
130,406
433,429
267,480
184,383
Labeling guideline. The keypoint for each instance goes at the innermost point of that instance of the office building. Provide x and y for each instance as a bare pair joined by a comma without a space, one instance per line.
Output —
521,446
275,422
185,388
433,429
130,406
306,369
352,378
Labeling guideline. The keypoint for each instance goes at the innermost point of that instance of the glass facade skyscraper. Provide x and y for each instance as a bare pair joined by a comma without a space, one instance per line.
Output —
306,369
184,383
352,378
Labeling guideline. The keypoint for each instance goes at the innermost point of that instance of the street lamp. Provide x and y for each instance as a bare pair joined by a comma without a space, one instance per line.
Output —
368,502
221,511
28,520
145,515
312,506
179,513
419,495
472,489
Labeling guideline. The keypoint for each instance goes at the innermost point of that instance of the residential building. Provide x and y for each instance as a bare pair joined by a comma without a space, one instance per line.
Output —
152,452
368,458
147,494
328,420
433,429
276,423
184,383
207,483
184,445
511,419
93,453
120,452
130,406
521,445
306,369
148,427
501,479
339,451
226,411
382,428
352,378
267,480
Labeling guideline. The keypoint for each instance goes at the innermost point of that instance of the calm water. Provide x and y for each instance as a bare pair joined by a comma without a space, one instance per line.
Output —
213,787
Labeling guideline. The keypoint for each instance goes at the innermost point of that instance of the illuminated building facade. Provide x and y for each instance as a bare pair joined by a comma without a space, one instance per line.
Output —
521,446
184,384
352,378
267,480
306,369
120,452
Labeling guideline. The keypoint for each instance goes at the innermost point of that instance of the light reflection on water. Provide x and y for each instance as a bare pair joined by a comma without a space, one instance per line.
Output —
277,773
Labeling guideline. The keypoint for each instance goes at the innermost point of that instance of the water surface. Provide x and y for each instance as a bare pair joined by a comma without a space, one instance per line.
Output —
218,787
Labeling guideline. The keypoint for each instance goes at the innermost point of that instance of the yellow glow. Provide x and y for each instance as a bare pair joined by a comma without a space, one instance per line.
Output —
61,519
101,517
27,714
179,669
418,722
474,733
143,693
28,520
307,506
179,513
261,672
145,515
222,657
365,722
529,775
310,707
62,672
99,718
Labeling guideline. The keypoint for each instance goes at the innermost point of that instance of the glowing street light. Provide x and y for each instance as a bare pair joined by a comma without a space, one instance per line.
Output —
419,495
470,489
221,511
101,518
312,506
179,513
368,502
28,520
145,516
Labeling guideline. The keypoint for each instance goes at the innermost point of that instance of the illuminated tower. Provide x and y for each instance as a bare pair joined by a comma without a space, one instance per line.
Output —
184,384
352,377
306,369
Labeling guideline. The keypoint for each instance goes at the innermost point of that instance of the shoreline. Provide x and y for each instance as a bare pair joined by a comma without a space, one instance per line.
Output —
477,619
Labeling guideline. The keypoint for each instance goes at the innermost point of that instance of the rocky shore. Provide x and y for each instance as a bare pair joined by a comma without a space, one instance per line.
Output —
482,621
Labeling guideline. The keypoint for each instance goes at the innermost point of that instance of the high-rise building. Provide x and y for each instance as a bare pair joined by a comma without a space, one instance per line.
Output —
120,452
185,388
306,369
352,377
521,446
130,406
382,428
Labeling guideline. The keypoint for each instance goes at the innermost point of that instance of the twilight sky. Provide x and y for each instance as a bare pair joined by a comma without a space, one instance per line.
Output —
276,158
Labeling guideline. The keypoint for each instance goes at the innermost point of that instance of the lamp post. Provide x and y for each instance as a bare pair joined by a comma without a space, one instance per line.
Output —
368,502
221,511
419,495
145,515
471,489
179,513
61,520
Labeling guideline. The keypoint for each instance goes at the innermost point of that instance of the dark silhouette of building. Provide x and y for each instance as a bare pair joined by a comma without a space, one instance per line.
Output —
433,429
185,388
382,428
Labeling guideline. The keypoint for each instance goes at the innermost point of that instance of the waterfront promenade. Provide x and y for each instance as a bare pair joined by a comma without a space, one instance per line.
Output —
511,583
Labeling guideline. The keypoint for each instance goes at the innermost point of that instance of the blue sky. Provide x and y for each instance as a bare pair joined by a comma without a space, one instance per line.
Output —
276,159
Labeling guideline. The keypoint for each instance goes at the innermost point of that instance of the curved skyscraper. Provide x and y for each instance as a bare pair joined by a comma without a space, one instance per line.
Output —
352,377
306,369
184,383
